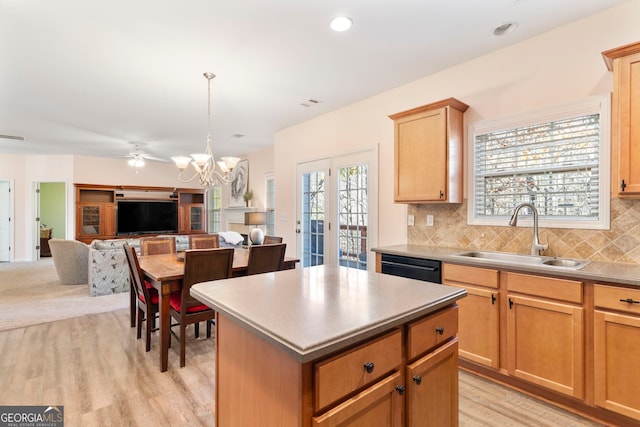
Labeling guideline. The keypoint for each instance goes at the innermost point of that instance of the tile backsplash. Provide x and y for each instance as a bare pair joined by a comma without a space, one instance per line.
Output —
621,243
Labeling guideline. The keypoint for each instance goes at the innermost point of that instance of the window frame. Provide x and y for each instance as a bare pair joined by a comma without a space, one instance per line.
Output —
211,209
270,227
590,105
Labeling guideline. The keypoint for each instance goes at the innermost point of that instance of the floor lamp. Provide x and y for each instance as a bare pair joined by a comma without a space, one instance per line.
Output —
256,235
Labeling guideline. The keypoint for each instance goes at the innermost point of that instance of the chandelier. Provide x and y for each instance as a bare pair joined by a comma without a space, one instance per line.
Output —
204,163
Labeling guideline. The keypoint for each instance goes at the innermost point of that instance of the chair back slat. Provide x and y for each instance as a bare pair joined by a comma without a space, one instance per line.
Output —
137,280
266,258
157,245
204,241
203,265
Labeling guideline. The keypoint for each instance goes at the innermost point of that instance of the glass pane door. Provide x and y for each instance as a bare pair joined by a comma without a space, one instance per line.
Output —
353,216
312,225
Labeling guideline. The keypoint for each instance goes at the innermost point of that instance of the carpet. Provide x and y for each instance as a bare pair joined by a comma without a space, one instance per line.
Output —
31,293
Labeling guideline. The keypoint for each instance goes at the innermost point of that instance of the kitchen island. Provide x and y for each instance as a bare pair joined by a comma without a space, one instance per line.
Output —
329,345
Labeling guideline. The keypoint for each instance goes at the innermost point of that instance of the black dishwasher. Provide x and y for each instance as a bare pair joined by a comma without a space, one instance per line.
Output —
413,268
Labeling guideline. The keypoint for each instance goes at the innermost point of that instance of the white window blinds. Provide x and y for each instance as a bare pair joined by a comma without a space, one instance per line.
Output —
554,165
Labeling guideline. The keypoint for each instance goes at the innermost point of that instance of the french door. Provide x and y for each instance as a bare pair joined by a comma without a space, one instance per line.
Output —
337,210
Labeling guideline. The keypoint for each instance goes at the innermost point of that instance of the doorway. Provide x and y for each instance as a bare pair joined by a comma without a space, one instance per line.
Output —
337,207
50,206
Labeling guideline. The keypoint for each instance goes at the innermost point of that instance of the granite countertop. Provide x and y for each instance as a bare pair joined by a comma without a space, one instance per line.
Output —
609,272
311,312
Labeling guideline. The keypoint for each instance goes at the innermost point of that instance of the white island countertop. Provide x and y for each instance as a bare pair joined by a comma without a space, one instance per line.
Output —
311,312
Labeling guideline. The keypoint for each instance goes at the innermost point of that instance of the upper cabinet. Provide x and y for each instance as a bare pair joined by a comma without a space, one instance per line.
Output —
428,153
624,61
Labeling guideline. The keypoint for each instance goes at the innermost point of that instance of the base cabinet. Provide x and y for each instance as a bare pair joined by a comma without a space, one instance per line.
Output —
545,332
432,388
479,327
617,346
406,377
377,406
567,341
545,344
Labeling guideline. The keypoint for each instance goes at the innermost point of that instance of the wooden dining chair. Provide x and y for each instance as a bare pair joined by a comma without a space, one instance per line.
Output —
200,265
269,240
266,258
157,245
147,297
204,241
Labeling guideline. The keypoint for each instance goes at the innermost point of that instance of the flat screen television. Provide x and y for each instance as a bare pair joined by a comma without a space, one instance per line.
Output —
147,217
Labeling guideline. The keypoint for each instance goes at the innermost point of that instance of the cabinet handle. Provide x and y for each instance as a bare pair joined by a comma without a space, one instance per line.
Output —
510,303
441,195
623,185
417,379
400,389
440,330
369,367
630,301
493,299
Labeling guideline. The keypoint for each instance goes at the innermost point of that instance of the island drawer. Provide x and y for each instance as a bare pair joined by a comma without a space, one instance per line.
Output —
343,374
431,331
614,298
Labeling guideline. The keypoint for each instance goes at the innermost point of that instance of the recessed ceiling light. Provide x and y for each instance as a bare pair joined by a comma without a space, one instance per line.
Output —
505,28
341,23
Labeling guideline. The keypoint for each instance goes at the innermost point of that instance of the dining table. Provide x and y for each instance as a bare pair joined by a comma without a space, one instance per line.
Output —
165,272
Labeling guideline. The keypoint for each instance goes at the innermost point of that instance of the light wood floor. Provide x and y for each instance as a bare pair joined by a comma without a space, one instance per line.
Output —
94,367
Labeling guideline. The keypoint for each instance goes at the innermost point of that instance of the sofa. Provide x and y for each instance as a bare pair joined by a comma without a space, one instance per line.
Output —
108,269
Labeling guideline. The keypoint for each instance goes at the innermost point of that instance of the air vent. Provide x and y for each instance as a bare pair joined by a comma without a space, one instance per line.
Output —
15,137
310,102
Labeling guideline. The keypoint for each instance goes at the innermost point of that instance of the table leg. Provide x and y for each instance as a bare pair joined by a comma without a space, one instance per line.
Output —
165,329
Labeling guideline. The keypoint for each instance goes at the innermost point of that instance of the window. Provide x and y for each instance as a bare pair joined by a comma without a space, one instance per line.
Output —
215,206
270,205
557,159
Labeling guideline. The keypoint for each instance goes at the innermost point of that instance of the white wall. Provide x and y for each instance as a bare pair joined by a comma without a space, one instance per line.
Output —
561,65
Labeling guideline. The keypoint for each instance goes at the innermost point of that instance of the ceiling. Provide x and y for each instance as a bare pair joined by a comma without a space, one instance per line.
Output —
91,77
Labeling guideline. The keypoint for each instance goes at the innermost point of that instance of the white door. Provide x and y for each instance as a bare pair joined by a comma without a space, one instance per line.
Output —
357,208
337,210
5,221
313,211
36,212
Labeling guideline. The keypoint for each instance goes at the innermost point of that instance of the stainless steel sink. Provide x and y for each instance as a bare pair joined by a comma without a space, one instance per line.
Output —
522,259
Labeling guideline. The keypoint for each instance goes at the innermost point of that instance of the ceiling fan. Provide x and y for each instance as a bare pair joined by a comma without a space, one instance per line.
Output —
137,156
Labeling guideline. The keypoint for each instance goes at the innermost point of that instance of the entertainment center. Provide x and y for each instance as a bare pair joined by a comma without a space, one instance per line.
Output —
109,212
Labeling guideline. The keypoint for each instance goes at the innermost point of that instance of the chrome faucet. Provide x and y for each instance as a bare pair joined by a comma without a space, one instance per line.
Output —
536,246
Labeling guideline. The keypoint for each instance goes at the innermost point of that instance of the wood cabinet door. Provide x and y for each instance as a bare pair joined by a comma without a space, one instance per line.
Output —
380,405
421,157
627,130
108,220
432,388
617,366
545,344
478,325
